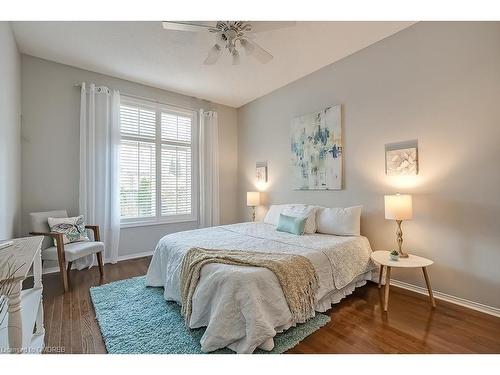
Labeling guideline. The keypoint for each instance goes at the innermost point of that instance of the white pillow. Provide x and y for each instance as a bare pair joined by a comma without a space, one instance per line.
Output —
339,221
295,210
273,214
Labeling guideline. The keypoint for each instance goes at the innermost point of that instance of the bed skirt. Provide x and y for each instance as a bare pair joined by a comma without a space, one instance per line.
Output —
337,295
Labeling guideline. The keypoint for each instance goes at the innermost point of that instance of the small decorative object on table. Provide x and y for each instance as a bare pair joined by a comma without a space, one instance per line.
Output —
394,255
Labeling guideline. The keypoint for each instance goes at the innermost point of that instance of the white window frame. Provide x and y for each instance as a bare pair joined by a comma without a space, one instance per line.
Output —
158,108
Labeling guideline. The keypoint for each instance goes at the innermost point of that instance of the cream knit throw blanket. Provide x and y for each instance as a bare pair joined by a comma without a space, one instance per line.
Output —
295,273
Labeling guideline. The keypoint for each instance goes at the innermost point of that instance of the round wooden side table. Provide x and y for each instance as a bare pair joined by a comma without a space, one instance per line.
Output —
413,261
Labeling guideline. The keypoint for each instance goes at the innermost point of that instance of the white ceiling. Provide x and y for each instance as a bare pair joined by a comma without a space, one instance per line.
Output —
144,52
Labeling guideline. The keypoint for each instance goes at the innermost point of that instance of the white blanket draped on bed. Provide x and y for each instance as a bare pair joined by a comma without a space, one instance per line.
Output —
244,307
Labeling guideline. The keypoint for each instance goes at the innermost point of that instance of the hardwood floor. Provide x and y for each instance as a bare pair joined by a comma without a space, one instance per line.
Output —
358,323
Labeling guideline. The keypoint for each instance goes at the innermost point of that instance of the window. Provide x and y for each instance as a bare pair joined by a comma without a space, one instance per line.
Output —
156,163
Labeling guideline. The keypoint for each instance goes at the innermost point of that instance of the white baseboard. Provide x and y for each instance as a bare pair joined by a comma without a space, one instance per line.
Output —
133,256
49,270
120,258
443,296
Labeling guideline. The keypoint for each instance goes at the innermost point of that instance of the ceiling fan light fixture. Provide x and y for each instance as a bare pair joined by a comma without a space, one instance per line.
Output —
247,46
213,55
236,57
220,38
229,35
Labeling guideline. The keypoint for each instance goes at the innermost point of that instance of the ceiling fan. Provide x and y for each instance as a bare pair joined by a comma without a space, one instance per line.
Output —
231,35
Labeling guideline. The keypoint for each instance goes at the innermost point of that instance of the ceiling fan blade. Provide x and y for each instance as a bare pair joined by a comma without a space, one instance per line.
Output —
213,55
261,26
259,53
192,26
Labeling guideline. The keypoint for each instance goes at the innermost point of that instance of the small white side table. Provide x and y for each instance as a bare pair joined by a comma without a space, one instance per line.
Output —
21,328
413,261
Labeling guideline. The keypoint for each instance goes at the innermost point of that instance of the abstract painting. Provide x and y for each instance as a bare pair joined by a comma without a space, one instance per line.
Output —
401,161
317,150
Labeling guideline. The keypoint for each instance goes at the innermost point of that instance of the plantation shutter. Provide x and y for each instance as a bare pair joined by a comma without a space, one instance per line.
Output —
137,162
176,169
156,169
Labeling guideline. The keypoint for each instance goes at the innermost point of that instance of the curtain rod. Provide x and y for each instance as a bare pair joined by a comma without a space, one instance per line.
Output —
150,99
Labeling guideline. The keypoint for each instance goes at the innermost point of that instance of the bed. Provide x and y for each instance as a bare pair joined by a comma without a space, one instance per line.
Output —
243,308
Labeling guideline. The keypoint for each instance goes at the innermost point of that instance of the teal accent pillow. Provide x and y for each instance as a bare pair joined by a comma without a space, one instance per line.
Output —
291,224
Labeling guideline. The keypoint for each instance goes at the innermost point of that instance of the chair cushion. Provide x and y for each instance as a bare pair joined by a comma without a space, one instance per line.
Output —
74,250
39,223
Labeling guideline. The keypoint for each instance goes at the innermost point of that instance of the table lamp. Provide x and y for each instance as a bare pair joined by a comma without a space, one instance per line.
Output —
398,207
253,200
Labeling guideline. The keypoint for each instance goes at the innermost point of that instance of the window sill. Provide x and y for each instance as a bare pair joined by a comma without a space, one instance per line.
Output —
134,224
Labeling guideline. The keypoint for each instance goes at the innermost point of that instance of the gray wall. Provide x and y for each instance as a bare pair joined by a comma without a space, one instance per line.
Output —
228,162
10,128
50,140
435,82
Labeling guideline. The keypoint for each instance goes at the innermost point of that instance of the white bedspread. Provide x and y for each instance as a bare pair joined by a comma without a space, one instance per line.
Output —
244,307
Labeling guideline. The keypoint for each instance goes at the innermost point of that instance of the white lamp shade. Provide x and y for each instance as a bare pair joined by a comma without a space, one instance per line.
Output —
398,207
253,198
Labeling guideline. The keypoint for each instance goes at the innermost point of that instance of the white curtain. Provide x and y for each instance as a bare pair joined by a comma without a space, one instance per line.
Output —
209,169
99,164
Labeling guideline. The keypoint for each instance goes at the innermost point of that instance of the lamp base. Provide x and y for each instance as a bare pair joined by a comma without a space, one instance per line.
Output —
399,235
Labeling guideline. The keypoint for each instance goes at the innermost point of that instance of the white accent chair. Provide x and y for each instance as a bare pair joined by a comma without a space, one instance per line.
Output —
65,252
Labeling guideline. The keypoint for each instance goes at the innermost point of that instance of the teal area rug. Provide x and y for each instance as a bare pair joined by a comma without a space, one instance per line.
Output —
136,319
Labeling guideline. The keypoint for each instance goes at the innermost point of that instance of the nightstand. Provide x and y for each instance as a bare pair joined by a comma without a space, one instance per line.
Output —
413,261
